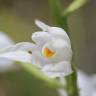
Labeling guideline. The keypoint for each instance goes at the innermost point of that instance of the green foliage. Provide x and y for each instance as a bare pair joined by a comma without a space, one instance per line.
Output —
76,4
40,75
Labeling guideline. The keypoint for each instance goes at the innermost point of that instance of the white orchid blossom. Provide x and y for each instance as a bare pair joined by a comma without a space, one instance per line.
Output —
86,84
51,51
5,63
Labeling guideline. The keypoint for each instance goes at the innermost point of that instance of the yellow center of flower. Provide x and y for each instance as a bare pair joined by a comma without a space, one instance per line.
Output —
47,52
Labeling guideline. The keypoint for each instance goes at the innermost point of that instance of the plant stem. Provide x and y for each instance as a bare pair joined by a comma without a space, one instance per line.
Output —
61,21
72,88
39,74
71,80
56,12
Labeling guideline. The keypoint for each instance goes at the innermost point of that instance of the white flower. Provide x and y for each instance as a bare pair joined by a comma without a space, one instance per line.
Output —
51,51
5,64
86,85
61,91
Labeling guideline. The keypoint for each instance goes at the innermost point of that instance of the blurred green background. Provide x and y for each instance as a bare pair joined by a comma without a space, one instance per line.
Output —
17,20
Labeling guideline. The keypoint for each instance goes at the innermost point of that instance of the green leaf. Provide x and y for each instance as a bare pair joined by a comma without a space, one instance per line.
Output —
76,4
54,83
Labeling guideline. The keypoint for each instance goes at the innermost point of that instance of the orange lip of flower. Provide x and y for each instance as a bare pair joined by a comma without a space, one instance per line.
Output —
47,52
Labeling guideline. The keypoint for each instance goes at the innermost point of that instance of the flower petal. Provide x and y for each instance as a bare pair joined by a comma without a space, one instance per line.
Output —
24,46
58,70
59,33
63,51
38,60
6,64
85,84
5,40
55,31
41,37
61,48
20,56
42,25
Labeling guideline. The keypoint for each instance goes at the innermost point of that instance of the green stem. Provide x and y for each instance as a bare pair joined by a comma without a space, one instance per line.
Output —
38,74
61,21
72,84
71,80
56,12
